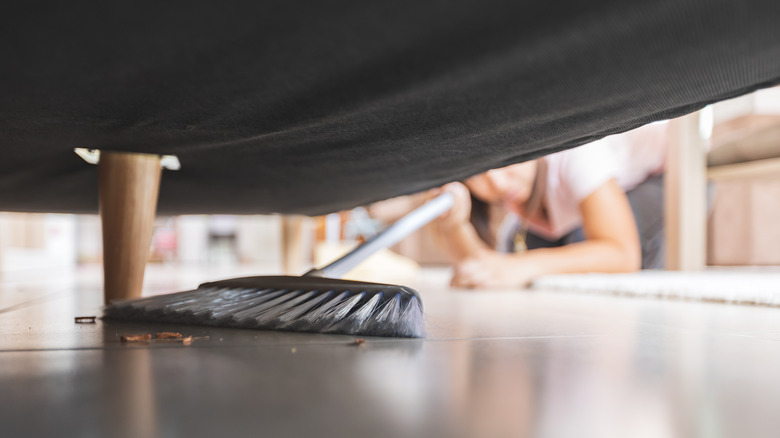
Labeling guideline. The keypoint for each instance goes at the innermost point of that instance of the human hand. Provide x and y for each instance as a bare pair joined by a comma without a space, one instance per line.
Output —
490,269
460,212
453,230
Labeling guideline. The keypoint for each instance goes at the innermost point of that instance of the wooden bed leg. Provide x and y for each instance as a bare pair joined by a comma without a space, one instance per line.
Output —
128,185
292,244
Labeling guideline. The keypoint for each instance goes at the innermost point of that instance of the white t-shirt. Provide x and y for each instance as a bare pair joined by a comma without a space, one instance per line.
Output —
572,175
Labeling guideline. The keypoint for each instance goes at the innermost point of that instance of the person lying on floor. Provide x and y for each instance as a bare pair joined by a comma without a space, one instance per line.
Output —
595,208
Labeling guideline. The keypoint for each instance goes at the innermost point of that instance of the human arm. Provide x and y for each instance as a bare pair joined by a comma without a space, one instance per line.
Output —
611,245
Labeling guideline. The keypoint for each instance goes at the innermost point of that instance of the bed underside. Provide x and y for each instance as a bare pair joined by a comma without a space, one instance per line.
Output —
311,107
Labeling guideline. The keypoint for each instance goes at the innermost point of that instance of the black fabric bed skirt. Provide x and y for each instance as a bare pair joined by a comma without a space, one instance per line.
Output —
314,106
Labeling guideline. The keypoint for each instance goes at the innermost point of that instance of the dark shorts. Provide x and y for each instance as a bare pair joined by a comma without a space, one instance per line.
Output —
647,203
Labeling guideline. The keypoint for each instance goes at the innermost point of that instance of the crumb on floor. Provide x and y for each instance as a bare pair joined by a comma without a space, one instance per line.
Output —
86,319
136,338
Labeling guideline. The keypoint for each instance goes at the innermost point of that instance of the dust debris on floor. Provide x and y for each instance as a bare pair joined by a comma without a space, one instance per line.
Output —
162,337
86,319
173,337
359,341
146,337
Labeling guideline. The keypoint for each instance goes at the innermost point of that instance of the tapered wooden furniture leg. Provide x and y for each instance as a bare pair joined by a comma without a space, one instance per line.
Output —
129,184
292,244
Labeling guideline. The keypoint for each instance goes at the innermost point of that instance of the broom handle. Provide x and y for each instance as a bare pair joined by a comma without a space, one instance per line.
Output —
391,235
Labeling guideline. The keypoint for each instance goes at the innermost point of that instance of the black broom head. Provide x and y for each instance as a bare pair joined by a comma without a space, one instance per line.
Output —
302,304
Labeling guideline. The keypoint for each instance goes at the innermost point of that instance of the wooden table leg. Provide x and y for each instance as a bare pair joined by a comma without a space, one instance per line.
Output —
129,184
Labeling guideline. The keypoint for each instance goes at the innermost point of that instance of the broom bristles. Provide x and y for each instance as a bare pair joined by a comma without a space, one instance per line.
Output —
393,312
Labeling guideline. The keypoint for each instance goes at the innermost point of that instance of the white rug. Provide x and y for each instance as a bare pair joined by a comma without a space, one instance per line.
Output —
731,285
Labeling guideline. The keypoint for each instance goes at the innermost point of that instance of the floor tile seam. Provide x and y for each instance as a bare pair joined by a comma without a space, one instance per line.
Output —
689,330
300,345
29,303
370,340
119,346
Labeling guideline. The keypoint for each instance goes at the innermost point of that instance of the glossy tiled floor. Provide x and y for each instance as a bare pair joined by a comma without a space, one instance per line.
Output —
496,364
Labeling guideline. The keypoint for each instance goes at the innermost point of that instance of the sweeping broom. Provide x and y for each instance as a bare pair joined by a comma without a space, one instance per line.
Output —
316,302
